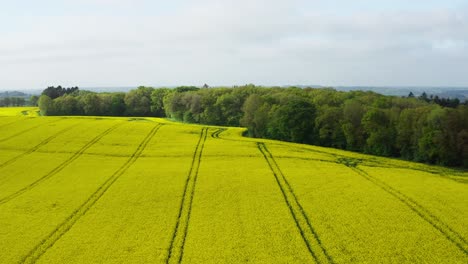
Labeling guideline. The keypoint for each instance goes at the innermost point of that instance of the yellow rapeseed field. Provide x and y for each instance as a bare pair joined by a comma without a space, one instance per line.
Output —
148,190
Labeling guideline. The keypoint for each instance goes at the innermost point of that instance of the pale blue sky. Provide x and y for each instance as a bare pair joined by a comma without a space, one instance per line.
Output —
270,42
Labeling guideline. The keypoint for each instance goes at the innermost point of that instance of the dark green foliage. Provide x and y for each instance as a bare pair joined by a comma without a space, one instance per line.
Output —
12,101
138,101
91,104
33,100
328,127
183,89
46,105
350,162
293,121
255,115
55,92
353,111
157,101
380,132
445,102
117,104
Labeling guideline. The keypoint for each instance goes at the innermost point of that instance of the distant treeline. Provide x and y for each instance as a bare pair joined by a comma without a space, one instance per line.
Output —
18,101
13,94
15,98
417,129
446,102
12,101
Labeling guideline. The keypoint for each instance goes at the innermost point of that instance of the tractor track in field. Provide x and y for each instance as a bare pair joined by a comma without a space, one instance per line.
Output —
177,244
28,130
216,133
35,148
421,211
311,150
305,158
440,174
7,124
66,225
374,163
59,167
252,140
302,221
369,162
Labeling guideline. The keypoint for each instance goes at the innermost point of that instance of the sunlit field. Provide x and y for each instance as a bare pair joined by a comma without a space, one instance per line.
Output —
148,190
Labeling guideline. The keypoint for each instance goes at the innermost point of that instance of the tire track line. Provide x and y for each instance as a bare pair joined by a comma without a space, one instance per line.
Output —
63,228
177,244
59,167
28,130
9,123
440,174
425,214
216,133
35,148
303,223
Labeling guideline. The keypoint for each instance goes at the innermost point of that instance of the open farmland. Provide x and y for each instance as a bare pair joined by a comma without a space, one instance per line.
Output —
147,190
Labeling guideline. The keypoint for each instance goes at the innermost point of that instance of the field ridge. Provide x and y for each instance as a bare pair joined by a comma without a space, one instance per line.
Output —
303,223
63,228
176,247
59,167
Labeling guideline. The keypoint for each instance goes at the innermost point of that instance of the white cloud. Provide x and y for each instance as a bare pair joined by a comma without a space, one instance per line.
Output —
234,42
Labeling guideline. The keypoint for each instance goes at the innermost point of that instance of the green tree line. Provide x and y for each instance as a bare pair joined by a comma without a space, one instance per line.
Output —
12,101
18,101
412,128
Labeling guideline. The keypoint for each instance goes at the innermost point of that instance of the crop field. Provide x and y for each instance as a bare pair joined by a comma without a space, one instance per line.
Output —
148,190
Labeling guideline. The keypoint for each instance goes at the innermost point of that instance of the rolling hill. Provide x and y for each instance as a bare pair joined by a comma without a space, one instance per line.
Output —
148,190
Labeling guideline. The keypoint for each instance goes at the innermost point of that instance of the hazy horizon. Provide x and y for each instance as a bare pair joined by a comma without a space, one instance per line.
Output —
123,43
381,89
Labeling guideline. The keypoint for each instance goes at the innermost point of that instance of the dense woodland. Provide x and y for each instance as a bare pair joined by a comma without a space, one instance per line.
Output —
12,101
424,129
